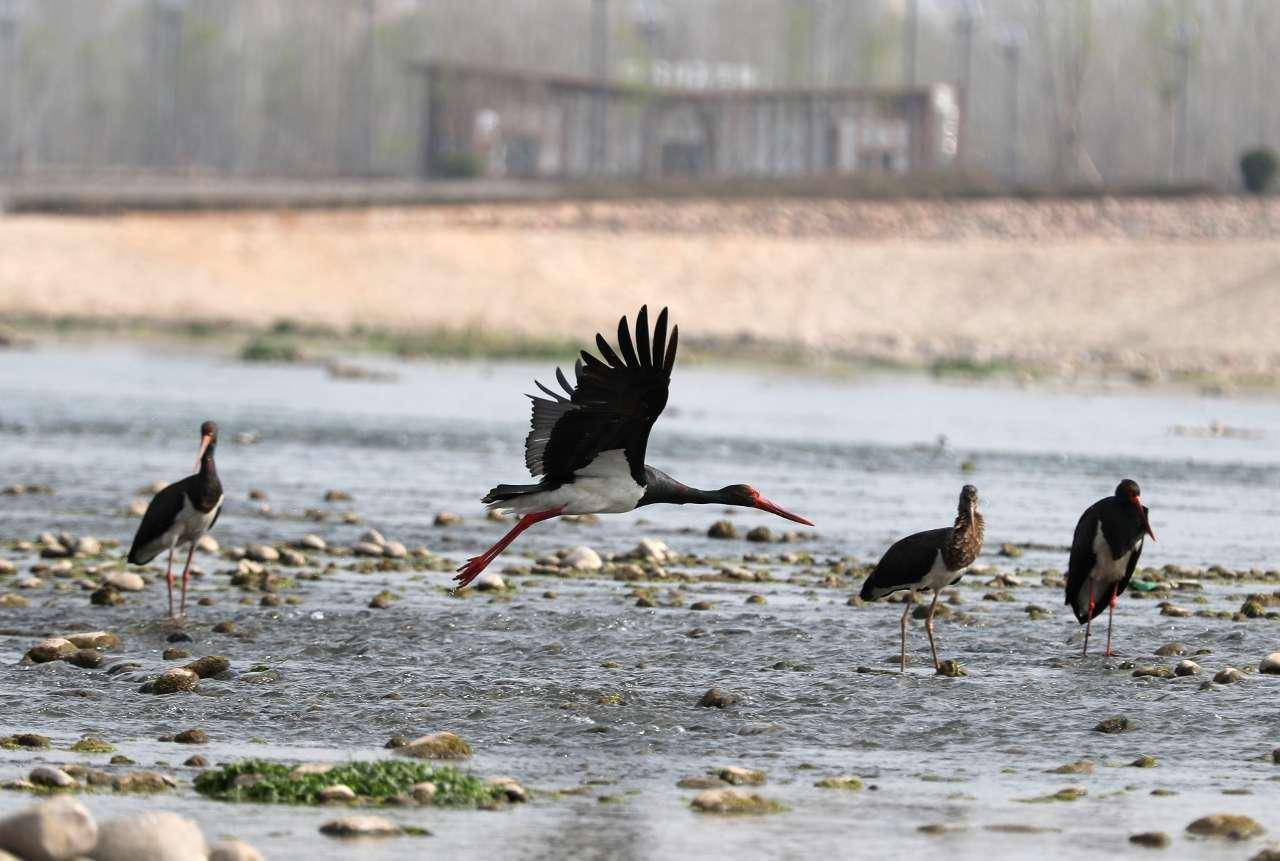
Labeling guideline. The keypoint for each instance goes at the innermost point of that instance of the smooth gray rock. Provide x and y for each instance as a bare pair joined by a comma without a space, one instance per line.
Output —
582,558
361,826
55,830
234,850
125,581
47,775
156,835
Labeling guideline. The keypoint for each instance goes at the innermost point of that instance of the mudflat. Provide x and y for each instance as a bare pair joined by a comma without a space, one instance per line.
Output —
1187,285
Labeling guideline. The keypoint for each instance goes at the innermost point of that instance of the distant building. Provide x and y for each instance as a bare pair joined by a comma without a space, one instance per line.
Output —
503,123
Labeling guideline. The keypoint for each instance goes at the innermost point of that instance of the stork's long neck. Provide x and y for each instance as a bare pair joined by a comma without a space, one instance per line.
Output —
209,487
965,541
208,469
662,488
970,522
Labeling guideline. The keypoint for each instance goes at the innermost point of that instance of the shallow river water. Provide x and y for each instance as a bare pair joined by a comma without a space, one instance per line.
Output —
522,676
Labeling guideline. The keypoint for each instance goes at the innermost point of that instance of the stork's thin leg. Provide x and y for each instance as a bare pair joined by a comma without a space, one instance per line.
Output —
1111,615
1089,624
186,572
168,576
928,626
902,661
476,564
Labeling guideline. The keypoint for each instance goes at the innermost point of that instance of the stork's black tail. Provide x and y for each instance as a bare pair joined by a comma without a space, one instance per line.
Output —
507,492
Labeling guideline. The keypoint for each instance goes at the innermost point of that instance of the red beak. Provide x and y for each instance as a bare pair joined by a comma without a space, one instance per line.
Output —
204,444
1146,524
765,505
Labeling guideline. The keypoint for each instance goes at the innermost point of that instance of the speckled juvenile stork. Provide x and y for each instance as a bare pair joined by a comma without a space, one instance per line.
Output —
929,560
1104,555
587,446
181,513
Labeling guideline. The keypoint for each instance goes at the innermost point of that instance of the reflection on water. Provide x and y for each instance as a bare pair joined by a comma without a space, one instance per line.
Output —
523,679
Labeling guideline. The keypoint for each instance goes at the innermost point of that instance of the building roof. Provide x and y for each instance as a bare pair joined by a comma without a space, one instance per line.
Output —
578,83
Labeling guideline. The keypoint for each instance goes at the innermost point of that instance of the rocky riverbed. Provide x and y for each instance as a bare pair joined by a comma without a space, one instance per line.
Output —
676,683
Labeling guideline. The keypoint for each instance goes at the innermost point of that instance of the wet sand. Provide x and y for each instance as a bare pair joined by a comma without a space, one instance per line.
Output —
1156,288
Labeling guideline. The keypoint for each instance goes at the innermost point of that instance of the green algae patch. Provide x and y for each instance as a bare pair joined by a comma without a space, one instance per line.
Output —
89,744
847,783
734,802
1070,793
373,782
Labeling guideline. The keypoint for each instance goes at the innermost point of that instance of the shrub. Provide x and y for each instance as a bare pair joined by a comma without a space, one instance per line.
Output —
458,165
1258,167
265,349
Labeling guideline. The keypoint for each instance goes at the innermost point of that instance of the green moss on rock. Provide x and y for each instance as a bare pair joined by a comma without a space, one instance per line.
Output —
734,802
1228,825
375,782
437,745
89,744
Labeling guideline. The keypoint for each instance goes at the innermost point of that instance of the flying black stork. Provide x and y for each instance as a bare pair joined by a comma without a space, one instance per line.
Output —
929,560
586,447
1104,555
181,513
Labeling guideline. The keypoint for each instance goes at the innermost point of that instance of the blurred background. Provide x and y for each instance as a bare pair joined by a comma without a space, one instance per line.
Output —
1041,93
1078,186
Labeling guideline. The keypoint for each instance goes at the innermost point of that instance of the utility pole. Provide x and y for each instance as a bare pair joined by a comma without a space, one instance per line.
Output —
164,50
600,72
1181,43
910,31
8,87
970,11
367,114
1011,40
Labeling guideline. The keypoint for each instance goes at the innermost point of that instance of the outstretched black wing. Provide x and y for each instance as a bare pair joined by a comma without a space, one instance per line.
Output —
905,564
612,405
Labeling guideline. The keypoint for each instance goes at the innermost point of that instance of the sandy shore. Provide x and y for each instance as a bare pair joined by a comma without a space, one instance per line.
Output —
1182,287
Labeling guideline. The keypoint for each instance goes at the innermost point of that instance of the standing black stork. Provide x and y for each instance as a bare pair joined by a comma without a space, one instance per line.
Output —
587,449
1104,554
181,514
929,560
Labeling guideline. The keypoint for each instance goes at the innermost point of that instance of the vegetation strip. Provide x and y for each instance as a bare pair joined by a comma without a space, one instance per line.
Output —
374,782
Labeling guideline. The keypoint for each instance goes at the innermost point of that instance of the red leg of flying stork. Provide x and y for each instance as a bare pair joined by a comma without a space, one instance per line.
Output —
1089,624
476,564
186,572
1111,615
928,626
902,659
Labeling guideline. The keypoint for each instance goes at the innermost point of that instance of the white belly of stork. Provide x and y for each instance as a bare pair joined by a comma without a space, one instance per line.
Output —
939,576
604,486
1107,571
188,526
